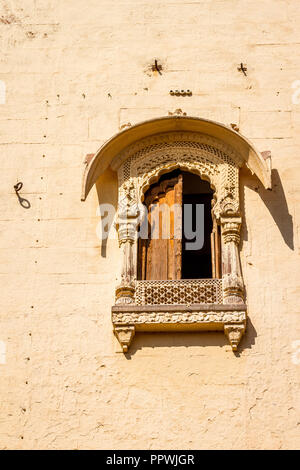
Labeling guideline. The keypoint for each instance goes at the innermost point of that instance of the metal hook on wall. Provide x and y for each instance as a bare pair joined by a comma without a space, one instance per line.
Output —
23,202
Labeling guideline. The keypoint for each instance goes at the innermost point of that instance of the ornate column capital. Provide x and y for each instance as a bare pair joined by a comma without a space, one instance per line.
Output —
231,229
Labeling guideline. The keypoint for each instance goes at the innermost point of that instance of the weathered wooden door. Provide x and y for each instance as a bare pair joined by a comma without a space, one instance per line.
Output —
160,255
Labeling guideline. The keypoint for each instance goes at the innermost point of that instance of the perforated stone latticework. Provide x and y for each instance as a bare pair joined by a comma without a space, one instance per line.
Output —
180,292
144,161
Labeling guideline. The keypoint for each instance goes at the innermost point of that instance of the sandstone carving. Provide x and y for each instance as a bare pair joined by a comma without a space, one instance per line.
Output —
234,333
125,336
140,165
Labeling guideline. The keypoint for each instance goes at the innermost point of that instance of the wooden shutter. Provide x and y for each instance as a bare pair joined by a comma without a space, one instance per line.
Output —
160,258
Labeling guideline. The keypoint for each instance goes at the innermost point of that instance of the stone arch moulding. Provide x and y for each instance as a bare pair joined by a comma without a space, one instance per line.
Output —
140,155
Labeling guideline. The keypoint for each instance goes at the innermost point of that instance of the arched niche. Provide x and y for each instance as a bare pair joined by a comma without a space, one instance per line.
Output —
140,155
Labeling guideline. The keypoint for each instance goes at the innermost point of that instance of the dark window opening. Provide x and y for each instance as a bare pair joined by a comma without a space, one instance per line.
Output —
197,264
173,259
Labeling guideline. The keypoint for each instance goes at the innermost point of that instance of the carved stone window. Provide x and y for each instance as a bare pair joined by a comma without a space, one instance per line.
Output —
141,155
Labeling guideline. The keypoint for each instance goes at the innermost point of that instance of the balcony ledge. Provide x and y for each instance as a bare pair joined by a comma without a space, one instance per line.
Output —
128,319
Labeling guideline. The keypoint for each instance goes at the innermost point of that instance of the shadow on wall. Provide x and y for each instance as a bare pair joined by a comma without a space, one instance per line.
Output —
156,340
248,339
107,192
202,339
276,203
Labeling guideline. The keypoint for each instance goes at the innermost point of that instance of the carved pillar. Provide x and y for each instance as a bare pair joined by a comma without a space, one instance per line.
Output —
127,231
233,286
127,237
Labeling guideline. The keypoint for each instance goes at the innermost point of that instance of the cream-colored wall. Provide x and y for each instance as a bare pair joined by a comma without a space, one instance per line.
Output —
75,71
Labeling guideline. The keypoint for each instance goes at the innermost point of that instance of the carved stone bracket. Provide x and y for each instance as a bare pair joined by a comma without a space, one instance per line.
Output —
234,334
124,334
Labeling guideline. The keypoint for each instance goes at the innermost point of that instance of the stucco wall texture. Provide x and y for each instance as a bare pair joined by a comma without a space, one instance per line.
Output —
72,73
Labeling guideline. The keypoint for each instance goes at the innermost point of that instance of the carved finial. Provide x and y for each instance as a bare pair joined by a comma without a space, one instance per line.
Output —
125,336
235,127
177,112
125,126
234,334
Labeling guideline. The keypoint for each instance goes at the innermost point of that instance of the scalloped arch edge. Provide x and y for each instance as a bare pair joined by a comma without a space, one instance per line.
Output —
259,163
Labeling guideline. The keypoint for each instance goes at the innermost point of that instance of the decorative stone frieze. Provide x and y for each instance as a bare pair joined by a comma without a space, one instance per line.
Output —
129,319
185,316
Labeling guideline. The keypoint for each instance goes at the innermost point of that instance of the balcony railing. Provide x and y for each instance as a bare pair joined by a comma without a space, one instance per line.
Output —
179,292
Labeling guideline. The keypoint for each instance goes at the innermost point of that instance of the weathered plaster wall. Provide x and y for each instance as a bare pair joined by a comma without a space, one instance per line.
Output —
75,71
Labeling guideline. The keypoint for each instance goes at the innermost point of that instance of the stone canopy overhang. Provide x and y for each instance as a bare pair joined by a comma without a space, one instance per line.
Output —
258,163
